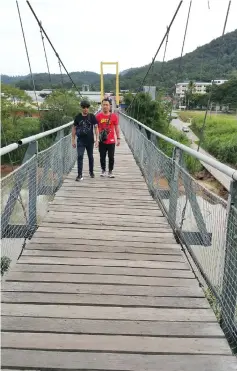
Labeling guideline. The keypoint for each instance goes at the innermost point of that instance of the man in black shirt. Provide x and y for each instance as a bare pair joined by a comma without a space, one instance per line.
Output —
85,124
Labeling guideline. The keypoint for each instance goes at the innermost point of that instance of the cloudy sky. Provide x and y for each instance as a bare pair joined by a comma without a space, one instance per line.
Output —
87,32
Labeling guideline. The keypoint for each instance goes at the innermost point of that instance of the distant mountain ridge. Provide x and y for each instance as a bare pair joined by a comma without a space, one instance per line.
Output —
201,64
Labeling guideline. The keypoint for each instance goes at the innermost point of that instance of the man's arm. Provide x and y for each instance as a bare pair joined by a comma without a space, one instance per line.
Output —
96,130
74,133
117,131
73,136
96,135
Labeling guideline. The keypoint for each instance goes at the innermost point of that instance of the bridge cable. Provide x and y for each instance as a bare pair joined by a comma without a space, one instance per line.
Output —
212,82
64,90
46,58
28,58
57,55
154,58
180,58
201,66
164,55
47,64
163,59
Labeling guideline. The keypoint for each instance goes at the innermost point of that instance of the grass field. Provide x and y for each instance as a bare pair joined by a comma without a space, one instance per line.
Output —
220,134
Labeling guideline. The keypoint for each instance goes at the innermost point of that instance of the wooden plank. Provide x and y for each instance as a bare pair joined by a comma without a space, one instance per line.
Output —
101,279
105,300
75,214
99,209
109,235
88,326
100,226
99,242
119,185
104,262
151,205
103,197
103,222
124,271
100,248
104,255
103,219
125,290
118,343
114,199
100,312
114,362
98,188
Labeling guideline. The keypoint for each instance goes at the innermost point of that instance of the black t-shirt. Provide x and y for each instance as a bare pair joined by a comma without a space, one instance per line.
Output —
85,127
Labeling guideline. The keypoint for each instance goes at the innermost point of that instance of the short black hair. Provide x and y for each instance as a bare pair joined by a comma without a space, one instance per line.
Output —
106,100
85,104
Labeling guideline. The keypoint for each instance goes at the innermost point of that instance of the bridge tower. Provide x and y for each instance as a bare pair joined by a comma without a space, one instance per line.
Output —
102,80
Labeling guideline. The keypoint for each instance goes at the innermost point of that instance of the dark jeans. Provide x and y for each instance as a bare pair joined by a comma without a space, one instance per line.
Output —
104,148
81,146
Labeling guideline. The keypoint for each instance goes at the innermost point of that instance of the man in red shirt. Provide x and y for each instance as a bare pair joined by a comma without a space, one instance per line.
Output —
108,127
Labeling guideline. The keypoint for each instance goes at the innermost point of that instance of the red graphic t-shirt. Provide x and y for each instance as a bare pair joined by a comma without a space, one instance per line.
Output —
103,124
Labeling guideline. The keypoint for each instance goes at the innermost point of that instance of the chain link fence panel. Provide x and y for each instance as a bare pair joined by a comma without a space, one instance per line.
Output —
26,193
200,220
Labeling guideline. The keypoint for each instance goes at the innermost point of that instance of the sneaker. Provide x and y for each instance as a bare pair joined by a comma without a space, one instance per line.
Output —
102,173
92,175
111,175
79,178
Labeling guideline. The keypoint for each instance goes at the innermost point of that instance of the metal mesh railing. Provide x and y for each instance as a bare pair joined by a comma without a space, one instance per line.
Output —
25,194
199,218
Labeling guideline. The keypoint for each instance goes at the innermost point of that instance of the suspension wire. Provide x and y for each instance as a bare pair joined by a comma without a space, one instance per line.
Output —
201,66
180,59
212,83
154,58
46,58
164,55
28,58
61,74
57,55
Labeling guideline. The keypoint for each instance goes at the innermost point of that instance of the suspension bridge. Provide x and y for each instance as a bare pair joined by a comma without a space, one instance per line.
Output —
133,273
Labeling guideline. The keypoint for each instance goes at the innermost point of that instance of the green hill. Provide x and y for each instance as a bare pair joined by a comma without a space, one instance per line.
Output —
201,64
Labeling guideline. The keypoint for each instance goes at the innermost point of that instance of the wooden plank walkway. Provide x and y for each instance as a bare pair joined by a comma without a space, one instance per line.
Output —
103,285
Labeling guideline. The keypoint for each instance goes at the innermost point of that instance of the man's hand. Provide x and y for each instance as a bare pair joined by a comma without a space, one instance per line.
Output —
96,144
73,144
118,142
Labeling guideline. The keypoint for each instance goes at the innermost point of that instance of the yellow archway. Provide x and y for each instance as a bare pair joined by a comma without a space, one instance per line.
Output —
102,80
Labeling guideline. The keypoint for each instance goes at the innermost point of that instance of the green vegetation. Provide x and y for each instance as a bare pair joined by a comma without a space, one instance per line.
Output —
226,94
58,108
220,134
198,65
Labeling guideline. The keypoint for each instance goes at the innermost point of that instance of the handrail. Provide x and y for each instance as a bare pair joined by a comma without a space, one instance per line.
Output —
44,134
11,147
200,156
32,138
